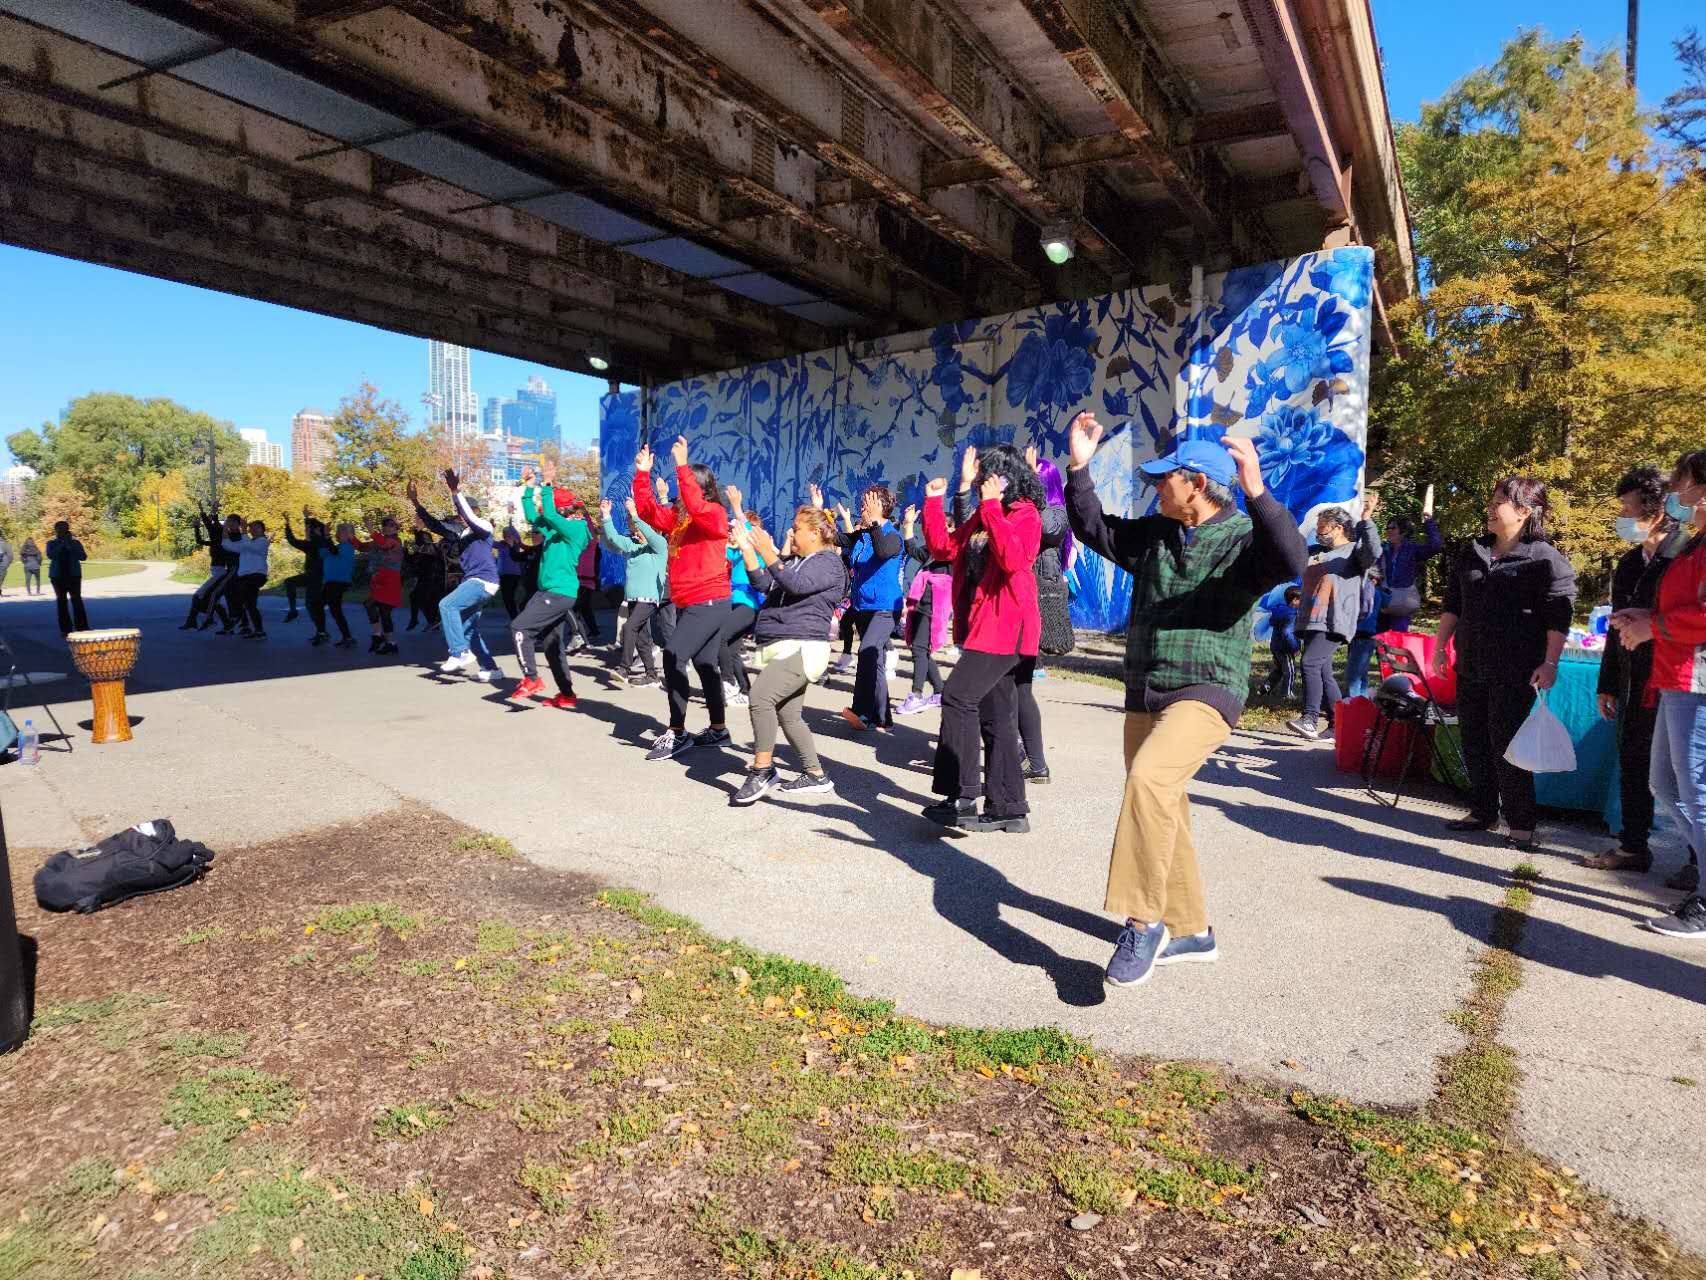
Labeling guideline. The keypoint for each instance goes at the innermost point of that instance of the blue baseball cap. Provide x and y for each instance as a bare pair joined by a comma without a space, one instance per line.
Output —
1204,456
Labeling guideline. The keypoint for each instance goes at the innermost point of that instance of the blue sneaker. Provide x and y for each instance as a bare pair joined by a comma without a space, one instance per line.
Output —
1134,956
1197,949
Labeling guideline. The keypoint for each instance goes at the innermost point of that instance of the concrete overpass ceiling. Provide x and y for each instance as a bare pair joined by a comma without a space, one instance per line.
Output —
700,183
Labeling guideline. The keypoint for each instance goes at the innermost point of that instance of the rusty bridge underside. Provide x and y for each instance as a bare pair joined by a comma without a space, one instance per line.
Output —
677,186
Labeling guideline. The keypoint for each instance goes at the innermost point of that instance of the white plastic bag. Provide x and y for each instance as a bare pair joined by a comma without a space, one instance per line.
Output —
1543,744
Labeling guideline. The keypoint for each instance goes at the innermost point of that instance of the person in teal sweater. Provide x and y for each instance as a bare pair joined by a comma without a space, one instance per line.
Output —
646,554
562,519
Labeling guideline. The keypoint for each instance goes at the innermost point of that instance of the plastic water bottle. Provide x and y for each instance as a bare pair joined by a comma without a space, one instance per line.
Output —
29,744
1599,621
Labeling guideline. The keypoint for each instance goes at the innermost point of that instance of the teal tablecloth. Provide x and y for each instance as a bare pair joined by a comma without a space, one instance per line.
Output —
1593,786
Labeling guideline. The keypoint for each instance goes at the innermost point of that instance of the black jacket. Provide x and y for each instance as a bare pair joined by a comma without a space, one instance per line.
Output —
1506,607
800,596
1635,585
312,567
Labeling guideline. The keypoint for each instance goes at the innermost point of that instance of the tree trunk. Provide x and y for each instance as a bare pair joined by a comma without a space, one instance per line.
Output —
1634,31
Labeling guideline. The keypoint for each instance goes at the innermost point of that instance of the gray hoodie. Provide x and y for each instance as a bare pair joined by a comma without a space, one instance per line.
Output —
1332,584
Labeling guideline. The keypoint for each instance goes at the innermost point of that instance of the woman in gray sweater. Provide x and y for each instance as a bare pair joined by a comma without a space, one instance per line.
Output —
1332,602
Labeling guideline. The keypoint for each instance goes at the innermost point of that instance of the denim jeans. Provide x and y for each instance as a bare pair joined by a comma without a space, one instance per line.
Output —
457,610
1678,774
1357,658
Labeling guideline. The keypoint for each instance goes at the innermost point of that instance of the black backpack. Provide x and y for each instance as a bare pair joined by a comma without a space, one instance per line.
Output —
146,858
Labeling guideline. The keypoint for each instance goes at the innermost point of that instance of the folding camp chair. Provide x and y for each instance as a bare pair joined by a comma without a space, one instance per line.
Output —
14,679
1419,709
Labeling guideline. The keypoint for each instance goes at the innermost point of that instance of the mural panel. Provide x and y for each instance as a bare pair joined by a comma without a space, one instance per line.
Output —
1278,352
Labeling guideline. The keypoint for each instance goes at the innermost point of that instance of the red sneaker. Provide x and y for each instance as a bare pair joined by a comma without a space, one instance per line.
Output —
529,686
854,718
563,702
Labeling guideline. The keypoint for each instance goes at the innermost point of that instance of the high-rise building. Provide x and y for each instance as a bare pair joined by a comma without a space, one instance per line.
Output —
536,414
311,442
14,486
492,417
262,452
450,391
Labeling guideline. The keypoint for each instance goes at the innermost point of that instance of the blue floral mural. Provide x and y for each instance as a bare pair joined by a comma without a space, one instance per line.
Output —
1276,352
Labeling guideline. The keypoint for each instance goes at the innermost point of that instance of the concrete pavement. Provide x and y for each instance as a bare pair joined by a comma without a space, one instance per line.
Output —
1348,930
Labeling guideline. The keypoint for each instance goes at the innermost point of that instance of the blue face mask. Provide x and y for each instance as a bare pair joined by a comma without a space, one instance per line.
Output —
1629,529
1677,509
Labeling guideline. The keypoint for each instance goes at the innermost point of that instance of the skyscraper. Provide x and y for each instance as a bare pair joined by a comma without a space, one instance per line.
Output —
262,452
535,414
310,442
450,391
492,419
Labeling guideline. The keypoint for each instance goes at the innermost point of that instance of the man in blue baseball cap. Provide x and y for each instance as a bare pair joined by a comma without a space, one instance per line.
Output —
1198,567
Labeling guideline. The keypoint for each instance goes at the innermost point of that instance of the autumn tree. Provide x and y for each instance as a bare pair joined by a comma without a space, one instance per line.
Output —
375,456
53,498
1563,333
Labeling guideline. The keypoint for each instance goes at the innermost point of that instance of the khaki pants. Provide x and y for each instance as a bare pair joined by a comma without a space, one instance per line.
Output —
1152,873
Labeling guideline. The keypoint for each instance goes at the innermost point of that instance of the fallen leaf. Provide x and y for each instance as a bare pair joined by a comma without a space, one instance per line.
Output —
307,929
1128,1197
986,1073
1290,1063
461,964
690,1127
297,1243
160,1215
254,1249
635,995
966,1273
425,1206
99,1222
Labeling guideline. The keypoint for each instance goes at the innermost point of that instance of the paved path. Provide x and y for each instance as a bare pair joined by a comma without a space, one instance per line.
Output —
1348,930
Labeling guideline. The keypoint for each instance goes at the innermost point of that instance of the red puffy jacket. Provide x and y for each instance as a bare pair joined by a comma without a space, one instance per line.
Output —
1679,624
698,542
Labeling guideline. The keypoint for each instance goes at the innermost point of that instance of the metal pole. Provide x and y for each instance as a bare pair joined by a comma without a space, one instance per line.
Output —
1634,31
15,985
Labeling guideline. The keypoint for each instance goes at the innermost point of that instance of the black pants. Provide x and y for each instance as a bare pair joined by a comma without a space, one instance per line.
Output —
663,623
1029,714
68,596
870,680
298,582
508,585
695,645
316,600
738,627
333,594
247,598
1634,760
209,597
1490,714
1282,680
637,636
978,724
544,620
424,596
1320,689
379,617
847,631
924,668
586,614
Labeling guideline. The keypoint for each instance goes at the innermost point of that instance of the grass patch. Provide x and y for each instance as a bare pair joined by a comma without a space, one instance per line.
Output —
545,1111
410,1120
373,916
76,1013
1090,1184
90,1178
550,1185
207,933
228,1100
1477,1085
206,1044
878,1158
496,937
485,842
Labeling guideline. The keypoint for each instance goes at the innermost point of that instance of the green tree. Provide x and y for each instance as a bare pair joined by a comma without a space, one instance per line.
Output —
53,498
1684,116
374,456
1564,330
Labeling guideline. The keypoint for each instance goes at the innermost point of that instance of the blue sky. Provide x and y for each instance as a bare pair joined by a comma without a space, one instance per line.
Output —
68,328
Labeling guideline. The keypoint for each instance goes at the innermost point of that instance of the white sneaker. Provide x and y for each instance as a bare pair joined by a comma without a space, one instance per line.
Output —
482,675
891,664
844,663
454,663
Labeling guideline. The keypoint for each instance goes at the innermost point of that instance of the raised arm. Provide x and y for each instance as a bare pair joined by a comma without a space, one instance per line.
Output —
645,501
1365,551
1116,538
465,509
937,540
707,516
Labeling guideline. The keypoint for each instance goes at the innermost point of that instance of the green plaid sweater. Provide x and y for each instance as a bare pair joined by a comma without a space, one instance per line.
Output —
1193,593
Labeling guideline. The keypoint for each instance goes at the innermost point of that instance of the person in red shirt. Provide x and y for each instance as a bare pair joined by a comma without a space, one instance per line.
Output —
385,586
697,529
997,626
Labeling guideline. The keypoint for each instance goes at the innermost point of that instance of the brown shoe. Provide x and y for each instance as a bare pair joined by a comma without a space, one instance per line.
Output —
1619,860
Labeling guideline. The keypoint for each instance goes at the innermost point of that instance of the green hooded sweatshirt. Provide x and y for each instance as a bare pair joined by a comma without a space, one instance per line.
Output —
564,541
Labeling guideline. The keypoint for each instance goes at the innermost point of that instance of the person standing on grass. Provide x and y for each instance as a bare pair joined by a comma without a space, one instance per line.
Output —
65,557
698,530
1402,557
874,549
802,584
385,582
460,610
30,556
311,579
1332,601
992,553
1283,645
337,571
643,550
1675,628
251,552
1624,669
559,515
1507,604
1198,569
929,617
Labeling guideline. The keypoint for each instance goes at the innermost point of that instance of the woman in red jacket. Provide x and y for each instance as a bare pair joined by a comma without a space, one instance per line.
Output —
997,625
1676,628
698,530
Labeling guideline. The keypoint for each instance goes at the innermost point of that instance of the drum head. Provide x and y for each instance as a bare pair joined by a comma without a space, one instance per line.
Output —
106,633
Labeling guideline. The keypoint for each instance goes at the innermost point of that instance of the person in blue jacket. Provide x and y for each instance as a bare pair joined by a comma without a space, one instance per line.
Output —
1375,599
875,556
1283,644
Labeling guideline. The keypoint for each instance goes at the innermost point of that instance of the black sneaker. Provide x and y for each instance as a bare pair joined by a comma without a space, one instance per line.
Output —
953,813
712,738
292,615
1687,879
1017,825
758,782
1687,921
320,638
256,635
671,743
805,784
1038,774
208,623
188,626
348,642
373,644
386,649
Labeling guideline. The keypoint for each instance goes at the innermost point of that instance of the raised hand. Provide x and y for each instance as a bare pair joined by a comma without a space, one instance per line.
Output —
788,542
742,534
451,479
548,470
1370,503
1243,451
1428,504
527,476
846,515
632,510
678,451
1084,437
604,508
643,459
1031,456
909,517
413,492
992,488
968,467
763,544
817,497
936,487
733,495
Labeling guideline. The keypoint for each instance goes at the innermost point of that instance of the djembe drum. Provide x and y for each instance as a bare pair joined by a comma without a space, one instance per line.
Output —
106,658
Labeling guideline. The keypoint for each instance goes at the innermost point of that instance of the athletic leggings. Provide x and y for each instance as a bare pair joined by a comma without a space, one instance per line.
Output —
544,619
508,585
778,695
248,599
209,597
695,645
1320,689
379,615
924,666
741,618
334,597
1030,717
847,632
870,681
637,636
